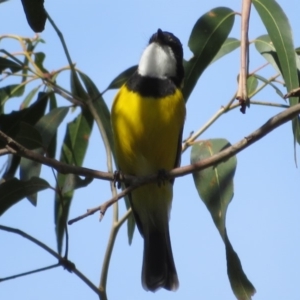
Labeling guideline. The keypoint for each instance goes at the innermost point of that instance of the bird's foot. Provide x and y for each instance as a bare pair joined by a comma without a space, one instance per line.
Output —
162,177
118,178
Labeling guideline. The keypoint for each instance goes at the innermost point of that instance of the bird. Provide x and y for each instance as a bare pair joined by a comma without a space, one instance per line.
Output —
147,118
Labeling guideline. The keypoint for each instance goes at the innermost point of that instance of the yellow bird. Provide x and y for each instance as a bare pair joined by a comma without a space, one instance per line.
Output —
147,116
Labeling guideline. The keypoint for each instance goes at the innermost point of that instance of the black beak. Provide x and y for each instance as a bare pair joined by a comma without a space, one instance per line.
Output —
160,36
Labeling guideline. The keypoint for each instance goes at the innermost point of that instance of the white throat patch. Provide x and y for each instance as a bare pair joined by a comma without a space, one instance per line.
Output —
157,61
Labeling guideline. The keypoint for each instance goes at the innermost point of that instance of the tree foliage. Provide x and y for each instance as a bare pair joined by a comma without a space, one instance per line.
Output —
28,136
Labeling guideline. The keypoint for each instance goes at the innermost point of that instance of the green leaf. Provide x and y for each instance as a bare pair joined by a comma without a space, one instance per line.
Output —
252,84
10,91
73,151
9,64
207,38
121,78
215,188
12,57
240,284
48,124
29,97
35,14
277,90
46,127
214,184
39,58
53,101
100,106
29,49
10,123
104,116
298,64
28,136
30,169
52,145
280,32
12,165
296,130
76,88
229,45
14,190
265,47
130,221
74,182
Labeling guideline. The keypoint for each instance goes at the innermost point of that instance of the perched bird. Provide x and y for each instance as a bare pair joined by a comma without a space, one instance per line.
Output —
147,116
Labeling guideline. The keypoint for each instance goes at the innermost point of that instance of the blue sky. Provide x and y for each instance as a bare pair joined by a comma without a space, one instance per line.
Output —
263,218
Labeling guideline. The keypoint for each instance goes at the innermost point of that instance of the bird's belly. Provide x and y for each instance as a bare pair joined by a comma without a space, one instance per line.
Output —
147,131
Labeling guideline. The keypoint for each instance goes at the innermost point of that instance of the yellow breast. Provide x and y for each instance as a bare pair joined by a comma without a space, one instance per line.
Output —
146,131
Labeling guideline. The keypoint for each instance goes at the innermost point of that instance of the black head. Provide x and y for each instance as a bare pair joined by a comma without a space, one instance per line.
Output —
165,38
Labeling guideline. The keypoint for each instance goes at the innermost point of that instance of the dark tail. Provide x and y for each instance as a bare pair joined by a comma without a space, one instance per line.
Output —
158,263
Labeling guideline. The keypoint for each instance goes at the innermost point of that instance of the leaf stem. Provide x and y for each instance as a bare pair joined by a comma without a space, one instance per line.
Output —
259,68
264,85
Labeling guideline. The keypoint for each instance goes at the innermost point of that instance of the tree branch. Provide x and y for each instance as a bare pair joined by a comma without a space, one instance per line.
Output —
266,128
63,262
271,124
14,147
242,94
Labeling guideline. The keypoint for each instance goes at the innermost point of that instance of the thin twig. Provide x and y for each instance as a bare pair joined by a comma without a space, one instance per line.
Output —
293,93
103,207
62,40
229,104
259,68
125,217
264,85
38,72
106,260
59,91
30,272
272,104
220,112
